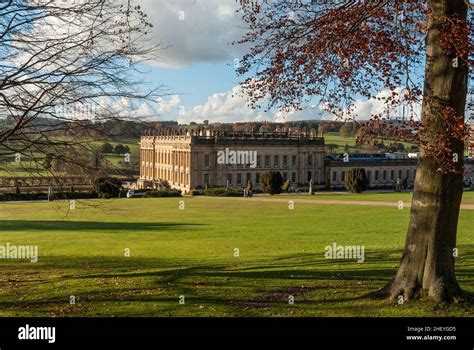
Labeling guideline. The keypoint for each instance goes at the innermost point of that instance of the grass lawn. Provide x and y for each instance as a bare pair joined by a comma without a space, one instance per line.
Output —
190,252
395,197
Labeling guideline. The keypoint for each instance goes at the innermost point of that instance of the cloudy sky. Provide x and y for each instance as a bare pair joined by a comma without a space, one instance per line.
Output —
198,64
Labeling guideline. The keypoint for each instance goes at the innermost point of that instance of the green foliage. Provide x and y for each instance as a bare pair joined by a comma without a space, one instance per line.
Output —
356,180
195,192
106,148
272,182
97,160
58,164
48,162
332,148
163,194
36,196
222,192
397,147
346,130
121,149
107,187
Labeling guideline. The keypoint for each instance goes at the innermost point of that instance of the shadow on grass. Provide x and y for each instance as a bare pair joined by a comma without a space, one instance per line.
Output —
128,227
255,285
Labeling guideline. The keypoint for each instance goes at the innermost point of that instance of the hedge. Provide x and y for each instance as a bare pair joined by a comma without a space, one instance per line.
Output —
163,194
221,192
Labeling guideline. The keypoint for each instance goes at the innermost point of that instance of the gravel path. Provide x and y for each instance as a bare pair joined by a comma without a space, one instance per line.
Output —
325,201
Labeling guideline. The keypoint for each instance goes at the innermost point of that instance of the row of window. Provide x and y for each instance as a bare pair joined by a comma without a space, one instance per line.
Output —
256,180
374,176
239,178
268,161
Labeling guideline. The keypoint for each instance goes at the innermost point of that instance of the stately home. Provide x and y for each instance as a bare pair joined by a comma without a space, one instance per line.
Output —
383,171
192,160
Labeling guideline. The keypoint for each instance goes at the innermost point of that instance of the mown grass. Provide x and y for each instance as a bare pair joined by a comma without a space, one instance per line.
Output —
190,253
394,197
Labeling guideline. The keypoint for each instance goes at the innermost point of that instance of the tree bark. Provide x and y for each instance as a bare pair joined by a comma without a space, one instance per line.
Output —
427,265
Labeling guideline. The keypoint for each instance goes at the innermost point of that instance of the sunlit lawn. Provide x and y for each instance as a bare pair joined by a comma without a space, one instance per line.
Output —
191,253
394,197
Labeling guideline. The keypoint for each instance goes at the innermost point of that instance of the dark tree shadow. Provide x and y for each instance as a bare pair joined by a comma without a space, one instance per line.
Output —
123,227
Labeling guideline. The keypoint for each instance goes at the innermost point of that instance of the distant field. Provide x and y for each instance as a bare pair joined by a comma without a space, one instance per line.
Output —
191,253
27,167
335,139
30,168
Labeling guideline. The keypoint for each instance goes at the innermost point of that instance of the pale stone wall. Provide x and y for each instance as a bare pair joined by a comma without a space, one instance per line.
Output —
189,161
381,174
167,159
280,159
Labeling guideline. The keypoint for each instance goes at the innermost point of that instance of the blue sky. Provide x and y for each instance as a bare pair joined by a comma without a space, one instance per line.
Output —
197,65
196,82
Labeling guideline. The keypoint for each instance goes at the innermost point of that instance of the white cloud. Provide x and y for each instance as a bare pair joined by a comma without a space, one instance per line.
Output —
168,105
195,30
232,106
222,107
365,109
164,108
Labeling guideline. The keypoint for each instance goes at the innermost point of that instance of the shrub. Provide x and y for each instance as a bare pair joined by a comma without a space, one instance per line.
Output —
106,148
5,197
272,182
195,192
73,195
222,192
48,162
34,196
163,194
356,180
120,149
107,187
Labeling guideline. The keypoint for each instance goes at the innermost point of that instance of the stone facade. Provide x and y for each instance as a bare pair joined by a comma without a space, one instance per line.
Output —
382,172
189,160
165,158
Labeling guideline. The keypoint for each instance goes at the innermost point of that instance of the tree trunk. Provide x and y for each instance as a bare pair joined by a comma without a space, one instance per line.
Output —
428,260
